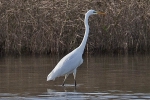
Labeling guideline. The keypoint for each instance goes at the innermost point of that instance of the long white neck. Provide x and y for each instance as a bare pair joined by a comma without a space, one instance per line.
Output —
83,43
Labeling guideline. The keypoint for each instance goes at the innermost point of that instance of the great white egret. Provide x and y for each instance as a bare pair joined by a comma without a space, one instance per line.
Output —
69,63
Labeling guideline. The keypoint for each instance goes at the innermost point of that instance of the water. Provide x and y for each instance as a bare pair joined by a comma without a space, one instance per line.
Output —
98,78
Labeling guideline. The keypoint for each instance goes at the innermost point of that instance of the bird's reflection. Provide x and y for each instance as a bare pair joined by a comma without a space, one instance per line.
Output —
65,88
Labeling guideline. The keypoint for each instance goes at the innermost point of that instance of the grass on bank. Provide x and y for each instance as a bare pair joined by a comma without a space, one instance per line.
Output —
56,26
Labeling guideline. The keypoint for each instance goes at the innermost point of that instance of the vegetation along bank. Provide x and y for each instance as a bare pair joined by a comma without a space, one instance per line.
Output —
56,26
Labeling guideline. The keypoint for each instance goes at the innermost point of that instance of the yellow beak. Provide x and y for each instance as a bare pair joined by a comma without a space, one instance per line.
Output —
100,13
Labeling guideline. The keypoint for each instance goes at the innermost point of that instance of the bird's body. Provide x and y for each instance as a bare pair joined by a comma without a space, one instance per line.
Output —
69,63
74,59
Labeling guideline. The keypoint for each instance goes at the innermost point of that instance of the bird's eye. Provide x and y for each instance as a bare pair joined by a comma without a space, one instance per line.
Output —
94,12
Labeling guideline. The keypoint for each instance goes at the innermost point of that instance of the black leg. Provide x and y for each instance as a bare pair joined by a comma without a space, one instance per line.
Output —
63,83
75,83
65,79
74,74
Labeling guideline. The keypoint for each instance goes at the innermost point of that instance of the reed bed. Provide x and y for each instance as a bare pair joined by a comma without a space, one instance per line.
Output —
56,26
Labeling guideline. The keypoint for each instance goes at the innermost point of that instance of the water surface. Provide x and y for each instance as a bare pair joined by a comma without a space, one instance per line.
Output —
99,77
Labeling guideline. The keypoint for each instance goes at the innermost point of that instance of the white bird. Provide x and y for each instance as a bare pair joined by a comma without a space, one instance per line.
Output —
69,63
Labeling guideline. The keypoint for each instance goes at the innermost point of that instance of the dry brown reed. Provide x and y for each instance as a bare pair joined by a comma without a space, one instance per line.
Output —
56,26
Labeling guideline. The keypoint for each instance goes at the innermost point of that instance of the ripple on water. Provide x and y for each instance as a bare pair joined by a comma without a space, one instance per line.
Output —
54,95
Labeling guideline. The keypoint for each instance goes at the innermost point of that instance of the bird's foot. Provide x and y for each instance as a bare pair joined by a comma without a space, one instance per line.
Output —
75,83
63,84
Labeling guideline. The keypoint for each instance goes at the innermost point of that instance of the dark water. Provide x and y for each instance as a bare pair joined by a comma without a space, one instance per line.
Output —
101,77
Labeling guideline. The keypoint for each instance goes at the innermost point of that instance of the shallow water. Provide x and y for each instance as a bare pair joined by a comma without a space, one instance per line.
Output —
99,77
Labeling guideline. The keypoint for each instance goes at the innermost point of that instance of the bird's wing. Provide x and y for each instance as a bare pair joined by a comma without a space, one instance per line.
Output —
66,65
71,63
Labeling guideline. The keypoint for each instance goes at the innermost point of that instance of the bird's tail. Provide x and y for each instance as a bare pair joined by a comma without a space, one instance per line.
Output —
51,76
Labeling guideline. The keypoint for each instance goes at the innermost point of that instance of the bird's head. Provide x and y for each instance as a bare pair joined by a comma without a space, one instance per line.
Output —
91,12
